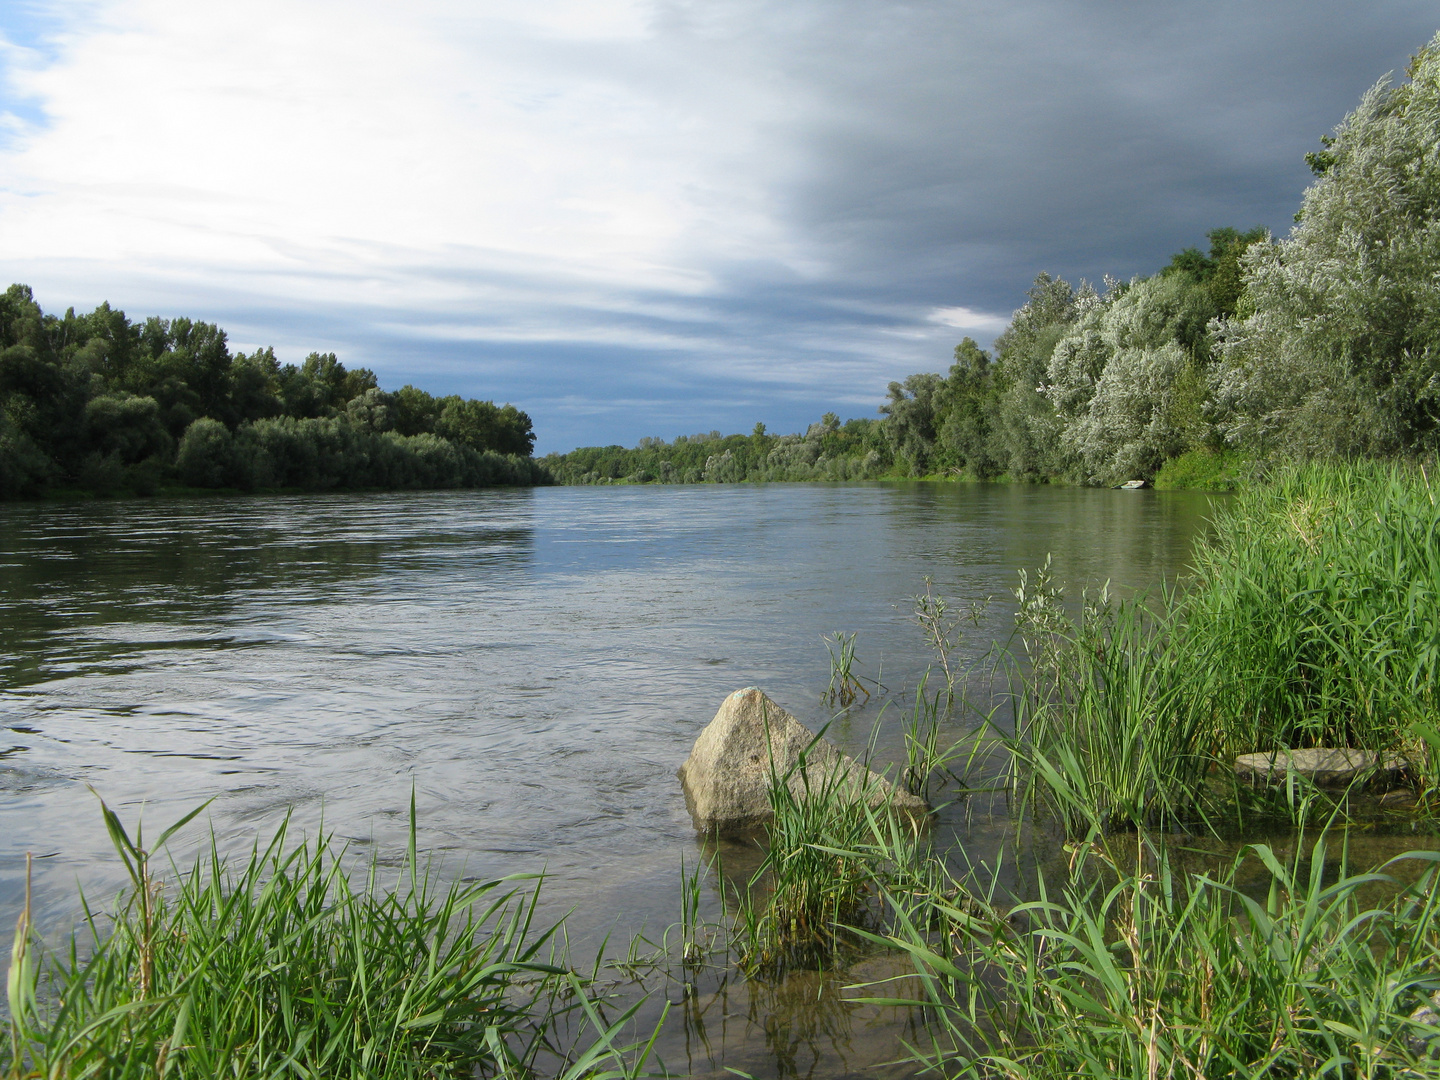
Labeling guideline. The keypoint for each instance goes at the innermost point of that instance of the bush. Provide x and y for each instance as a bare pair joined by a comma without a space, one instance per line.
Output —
1205,470
206,457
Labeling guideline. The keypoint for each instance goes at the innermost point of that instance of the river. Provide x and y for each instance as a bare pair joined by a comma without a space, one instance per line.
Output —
533,664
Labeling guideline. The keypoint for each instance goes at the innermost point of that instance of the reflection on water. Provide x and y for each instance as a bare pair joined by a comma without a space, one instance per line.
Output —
534,663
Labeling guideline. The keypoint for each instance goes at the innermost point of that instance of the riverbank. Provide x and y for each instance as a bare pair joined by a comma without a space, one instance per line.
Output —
856,451
1310,621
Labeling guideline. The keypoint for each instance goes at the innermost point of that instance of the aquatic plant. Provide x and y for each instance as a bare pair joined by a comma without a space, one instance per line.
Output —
288,965
940,625
926,761
811,885
1132,968
1312,619
844,685
699,939
1106,730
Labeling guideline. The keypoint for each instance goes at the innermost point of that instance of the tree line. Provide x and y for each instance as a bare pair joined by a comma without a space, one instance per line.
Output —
102,404
1322,344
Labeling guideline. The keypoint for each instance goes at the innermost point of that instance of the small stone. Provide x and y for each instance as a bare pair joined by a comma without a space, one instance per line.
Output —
727,775
1423,1043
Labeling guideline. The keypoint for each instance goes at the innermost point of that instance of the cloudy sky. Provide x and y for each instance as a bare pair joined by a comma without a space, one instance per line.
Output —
651,217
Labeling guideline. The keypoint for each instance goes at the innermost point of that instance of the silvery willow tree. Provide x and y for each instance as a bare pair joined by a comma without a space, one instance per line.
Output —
1124,381
1335,347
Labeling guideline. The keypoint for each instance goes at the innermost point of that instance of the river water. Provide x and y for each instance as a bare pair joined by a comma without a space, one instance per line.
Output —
533,664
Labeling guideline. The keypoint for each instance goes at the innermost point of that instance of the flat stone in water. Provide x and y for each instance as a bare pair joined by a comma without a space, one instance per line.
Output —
1327,766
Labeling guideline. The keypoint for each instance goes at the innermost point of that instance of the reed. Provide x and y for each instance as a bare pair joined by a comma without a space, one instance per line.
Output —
1134,969
940,624
699,939
845,686
928,763
287,965
1312,619
812,885
1107,729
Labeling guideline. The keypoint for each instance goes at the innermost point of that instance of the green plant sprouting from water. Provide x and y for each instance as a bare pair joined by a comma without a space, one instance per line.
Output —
940,624
1107,731
1133,967
698,938
1312,619
845,686
926,759
806,891
816,880
286,965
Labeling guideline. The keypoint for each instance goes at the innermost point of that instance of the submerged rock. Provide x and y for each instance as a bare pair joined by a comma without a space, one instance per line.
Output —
1325,766
727,775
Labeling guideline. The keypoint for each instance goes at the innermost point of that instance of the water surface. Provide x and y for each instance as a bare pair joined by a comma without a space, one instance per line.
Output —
534,664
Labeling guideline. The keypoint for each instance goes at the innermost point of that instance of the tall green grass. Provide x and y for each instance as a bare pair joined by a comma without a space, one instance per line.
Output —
1107,729
844,685
812,886
285,965
1312,618
1131,969
831,839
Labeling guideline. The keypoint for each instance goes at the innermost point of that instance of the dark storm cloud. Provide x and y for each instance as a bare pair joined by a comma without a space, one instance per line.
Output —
944,153
953,150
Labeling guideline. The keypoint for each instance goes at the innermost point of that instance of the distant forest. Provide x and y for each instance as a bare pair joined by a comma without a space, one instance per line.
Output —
99,404
1325,343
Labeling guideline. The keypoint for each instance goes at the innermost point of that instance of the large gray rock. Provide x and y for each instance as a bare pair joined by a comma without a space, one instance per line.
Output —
727,775
1322,765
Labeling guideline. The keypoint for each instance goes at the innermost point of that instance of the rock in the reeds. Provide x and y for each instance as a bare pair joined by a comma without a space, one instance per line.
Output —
727,776
1424,1035
1325,766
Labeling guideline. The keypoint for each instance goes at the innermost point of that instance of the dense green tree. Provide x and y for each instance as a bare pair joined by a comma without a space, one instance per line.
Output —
1026,428
967,405
1121,381
483,426
1219,272
96,402
910,424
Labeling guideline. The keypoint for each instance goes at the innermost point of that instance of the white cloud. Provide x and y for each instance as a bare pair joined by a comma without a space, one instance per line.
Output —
962,318
316,138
